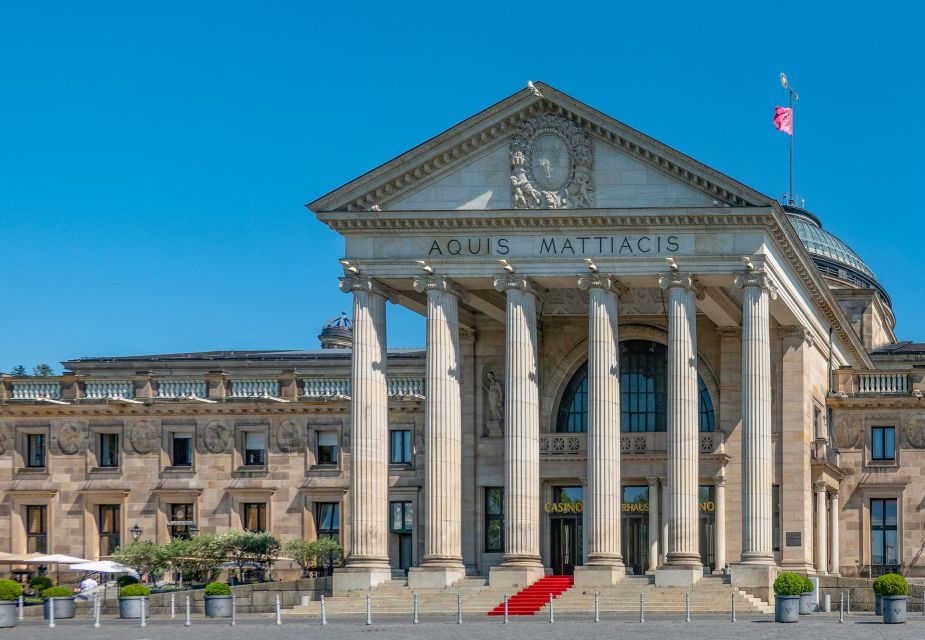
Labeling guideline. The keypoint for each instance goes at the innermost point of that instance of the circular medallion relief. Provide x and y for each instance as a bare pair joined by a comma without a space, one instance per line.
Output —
215,437
144,437
70,438
848,432
915,431
550,162
289,436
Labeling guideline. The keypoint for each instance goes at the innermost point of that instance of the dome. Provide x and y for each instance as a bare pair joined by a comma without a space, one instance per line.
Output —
834,259
337,333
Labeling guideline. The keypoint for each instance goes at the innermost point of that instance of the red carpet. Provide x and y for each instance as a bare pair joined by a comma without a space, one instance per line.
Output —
530,600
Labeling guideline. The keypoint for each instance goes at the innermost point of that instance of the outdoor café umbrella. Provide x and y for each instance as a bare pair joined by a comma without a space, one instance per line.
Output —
102,566
56,559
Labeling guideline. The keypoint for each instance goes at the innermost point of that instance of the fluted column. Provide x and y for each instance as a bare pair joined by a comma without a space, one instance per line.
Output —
663,521
653,523
367,561
833,516
522,563
683,551
821,535
757,469
442,563
719,523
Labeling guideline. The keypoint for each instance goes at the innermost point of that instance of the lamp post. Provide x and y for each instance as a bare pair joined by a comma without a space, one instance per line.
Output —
193,530
136,532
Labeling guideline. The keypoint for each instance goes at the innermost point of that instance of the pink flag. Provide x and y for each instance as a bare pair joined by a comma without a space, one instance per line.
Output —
783,119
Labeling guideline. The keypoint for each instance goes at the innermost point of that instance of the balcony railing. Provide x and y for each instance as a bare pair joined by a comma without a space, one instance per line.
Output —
564,444
109,390
883,383
33,390
180,388
406,387
254,388
326,387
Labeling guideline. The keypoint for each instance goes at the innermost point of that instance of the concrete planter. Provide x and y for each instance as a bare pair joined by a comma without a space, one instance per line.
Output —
64,608
894,609
130,606
218,606
9,616
878,604
807,606
786,608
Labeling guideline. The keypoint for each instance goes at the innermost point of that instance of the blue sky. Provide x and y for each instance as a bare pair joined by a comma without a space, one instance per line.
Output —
155,157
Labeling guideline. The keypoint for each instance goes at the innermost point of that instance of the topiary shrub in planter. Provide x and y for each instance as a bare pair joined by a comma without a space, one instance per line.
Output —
131,599
894,591
218,600
40,583
9,595
807,605
787,589
63,599
878,596
125,580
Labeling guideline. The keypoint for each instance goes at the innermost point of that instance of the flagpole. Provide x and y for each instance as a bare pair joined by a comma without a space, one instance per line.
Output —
793,96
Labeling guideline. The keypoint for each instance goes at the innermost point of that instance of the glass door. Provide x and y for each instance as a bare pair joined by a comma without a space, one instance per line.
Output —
566,545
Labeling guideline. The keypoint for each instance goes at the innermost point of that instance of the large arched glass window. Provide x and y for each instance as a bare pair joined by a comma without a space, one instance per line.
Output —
643,392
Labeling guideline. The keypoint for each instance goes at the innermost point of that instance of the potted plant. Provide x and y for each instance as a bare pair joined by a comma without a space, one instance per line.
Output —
9,594
893,593
39,583
131,599
63,599
218,600
878,583
807,605
787,589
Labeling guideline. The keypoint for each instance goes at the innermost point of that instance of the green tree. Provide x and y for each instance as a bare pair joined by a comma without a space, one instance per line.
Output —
244,547
19,371
197,560
42,370
302,552
147,558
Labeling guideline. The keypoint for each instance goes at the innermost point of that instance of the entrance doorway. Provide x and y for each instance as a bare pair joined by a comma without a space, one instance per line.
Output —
635,531
565,530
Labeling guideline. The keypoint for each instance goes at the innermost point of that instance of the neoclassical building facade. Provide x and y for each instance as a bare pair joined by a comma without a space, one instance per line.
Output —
632,364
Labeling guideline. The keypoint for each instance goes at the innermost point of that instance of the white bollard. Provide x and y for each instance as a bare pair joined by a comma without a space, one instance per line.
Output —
96,612
827,603
841,609
597,606
733,606
279,614
234,611
369,609
687,606
188,622
324,617
173,606
505,608
144,622
51,613
642,608
458,608
552,615
21,612
414,616
848,600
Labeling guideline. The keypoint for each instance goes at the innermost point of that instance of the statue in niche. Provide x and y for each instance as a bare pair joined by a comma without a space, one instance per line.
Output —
494,402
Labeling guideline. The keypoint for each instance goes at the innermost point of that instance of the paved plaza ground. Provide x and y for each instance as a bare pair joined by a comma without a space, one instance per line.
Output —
816,627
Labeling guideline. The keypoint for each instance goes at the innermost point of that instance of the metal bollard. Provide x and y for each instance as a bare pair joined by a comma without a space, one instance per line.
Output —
144,622
188,622
827,603
234,611
597,606
642,608
848,600
687,606
324,617
458,608
733,606
552,614
369,609
96,612
505,608
414,618
21,612
841,609
173,606
51,613
279,615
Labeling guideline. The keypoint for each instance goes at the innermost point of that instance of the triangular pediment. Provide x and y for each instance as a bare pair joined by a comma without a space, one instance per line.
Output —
474,166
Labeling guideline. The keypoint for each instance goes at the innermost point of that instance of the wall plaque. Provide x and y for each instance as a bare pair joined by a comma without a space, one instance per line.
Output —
794,539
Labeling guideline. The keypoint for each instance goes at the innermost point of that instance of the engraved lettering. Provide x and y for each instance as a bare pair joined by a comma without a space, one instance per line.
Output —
454,247
502,244
549,247
435,247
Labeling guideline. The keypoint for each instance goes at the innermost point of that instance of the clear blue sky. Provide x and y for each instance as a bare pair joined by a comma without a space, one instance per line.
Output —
155,157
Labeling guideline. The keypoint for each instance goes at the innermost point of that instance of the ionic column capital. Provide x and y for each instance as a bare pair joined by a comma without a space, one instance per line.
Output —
442,284
756,278
833,495
719,480
511,281
357,283
681,280
820,486
589,281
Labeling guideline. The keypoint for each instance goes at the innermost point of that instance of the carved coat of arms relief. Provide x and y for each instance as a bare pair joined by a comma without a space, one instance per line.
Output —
552,162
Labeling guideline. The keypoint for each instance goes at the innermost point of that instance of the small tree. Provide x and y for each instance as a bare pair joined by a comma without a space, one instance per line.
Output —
19,371
198,559
144,557
42,370
302,552
243,547
328,552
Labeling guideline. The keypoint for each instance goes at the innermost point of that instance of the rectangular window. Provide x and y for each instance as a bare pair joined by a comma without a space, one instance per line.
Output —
327,447
400,446
884,551
35,450
883,444
109,450
327,517
494,519
182,450
36,529
817,422
255,448
180,521
775,517
255,516
109,529
401,518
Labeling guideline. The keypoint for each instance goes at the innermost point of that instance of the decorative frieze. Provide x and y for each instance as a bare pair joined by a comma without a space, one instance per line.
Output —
563,445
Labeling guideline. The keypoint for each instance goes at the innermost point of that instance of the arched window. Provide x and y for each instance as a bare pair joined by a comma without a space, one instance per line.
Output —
643,392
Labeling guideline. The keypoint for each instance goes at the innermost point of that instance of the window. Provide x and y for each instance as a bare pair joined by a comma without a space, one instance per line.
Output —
327,447
817,423
327,517
883,444
109,450
35,450
494,519
109,529
180,521
255,448
883,537
182,450
400,447
37,529
255,516
401,518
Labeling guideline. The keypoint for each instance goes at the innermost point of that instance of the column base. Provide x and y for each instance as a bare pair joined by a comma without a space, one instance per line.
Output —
677,576
599,575
514,577
434,577
360,578
755,579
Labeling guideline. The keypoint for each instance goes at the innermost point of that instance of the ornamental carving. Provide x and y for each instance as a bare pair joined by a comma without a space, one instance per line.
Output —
71,438
848,432
493,405
915,431
144,437
552,163
4,440
290,436
216,437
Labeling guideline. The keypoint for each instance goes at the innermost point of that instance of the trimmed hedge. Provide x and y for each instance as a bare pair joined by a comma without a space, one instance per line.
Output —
124,581
9,589
133,590
217,589
40,583
788,584
807,585
57,592
893,584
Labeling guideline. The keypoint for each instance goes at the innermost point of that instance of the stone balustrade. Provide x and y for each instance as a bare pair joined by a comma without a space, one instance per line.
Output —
404,387
569,445
109,389
254,388
326,387
182,388
883,383
35,390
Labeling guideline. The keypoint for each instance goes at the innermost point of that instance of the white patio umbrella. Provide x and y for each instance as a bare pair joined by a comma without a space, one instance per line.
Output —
102,566
56,559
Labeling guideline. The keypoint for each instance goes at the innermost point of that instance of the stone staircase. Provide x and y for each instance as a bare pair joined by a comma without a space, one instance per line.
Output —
395,599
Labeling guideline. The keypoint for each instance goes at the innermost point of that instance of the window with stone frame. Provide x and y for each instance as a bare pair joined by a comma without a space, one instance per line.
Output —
883,444
327,520
36,452
180,520
109,528
254,516
327,447
108,450
255,448
884,534
494,519
37,528
400,446
181,449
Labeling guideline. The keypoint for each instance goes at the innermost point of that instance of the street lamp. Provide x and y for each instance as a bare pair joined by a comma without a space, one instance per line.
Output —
193,530
136,532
